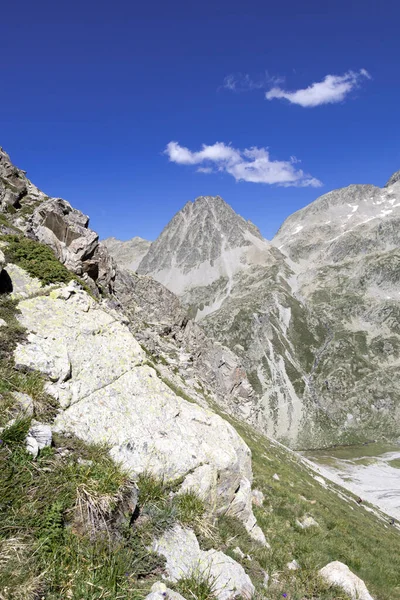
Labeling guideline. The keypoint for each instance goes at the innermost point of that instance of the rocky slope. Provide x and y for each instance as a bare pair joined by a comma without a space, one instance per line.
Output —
96,364
312,315
127,254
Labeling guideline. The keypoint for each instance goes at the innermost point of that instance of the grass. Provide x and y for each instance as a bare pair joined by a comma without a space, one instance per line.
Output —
39,261
12,380
199,585
347,532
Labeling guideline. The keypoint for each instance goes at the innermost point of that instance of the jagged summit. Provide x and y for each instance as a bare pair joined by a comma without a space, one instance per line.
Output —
204,241
393,179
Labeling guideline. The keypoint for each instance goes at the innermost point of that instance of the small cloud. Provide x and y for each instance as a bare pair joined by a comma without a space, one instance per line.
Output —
251,164
332,89
243,82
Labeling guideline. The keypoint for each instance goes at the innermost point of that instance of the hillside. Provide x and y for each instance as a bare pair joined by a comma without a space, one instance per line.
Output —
124,442
312,315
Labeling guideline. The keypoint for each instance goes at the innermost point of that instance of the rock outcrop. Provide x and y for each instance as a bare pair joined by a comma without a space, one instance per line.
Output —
339,574
184,558
54,222
110,395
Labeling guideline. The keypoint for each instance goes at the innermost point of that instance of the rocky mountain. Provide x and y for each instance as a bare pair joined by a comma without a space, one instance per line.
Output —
127,254
311,315
127,464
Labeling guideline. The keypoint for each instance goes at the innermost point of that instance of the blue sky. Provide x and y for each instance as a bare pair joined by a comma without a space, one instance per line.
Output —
92,93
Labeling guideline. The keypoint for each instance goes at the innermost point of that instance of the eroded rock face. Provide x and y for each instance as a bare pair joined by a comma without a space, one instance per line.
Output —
109,394
183,555
337,573
66,230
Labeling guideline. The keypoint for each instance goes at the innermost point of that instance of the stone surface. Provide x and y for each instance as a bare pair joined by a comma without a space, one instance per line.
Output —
39,436
23,403
2,260
57,224
127,254
339,574
307,522
3,323
257,498
110,395
183,557
159,591
293,565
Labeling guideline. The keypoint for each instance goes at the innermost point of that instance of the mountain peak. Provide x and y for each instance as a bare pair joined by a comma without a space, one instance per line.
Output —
205,240
393,179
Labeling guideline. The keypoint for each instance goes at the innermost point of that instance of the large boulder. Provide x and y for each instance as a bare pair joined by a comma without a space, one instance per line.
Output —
339,574
111,395
184,558
66,230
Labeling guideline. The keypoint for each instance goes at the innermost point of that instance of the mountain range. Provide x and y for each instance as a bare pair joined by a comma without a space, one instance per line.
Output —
312,315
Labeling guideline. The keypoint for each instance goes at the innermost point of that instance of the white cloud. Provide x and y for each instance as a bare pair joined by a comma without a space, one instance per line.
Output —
242,82
250,164
333,88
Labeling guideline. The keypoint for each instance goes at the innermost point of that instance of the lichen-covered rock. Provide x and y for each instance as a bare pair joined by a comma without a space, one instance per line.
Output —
110,395
183,557
339,574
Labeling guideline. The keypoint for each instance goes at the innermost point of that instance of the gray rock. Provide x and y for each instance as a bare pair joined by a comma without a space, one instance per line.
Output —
65,229
110,396
127,254
339,574
39,436
183,558
257,498
23,404
307,522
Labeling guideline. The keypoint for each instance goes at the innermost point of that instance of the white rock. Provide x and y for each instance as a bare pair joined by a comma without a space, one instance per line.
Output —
32,446
239,552
23,403
275,476
183,557
23,284
307,522
242,508
320,480
39,436
339,574
293,565
2,260
159,591
257,497
3,323
202,481
112,397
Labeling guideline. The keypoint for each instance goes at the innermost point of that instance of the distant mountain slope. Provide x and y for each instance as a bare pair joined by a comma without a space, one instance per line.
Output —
127,254
313,315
